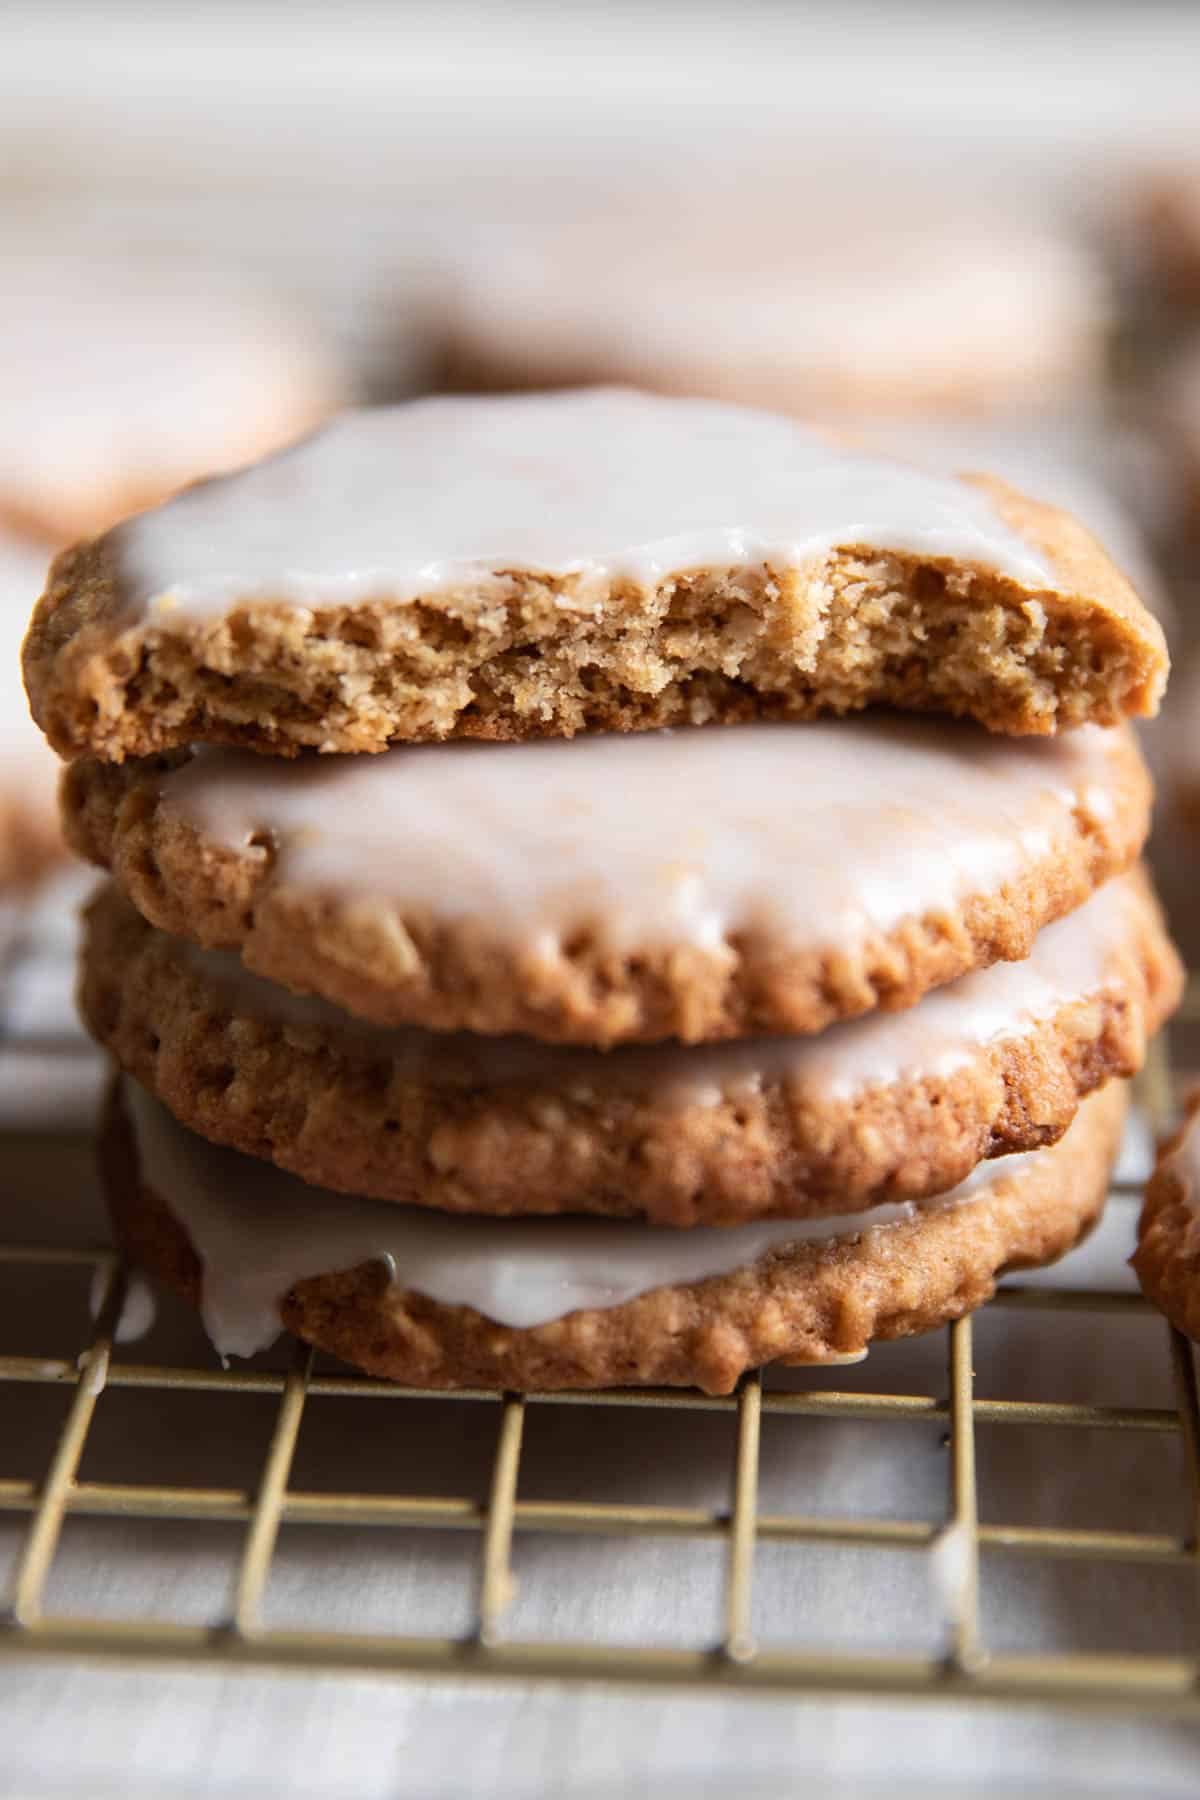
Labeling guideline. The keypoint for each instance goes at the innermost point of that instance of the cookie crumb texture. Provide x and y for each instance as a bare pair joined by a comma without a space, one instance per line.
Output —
505,1128
807,1304
522,656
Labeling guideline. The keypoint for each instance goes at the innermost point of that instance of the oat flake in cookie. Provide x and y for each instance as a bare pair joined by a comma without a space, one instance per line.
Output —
823,299
540,565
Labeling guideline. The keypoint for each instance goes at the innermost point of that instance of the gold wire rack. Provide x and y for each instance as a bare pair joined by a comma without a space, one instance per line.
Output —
967,1671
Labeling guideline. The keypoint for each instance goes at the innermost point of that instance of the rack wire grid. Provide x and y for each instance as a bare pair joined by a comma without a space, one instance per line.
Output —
966,1670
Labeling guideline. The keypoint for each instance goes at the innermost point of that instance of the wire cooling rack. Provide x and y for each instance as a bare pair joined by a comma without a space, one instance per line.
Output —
964,1666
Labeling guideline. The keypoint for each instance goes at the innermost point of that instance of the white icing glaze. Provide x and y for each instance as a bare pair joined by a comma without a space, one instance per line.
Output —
1069,962
258,1231
139,1308
601,485
24,754
800,835
121,376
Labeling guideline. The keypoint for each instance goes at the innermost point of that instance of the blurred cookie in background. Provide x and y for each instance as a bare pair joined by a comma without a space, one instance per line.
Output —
1173,403
1162,231
30,844
121,381
777,296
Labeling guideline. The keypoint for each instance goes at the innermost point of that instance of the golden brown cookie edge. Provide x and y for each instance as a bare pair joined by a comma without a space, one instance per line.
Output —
808,1304
386,966
330,1104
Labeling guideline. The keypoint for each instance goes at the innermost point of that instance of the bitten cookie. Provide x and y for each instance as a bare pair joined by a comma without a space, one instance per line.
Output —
121,380
529,1304
1167,1258
697,885
896,1106
543,565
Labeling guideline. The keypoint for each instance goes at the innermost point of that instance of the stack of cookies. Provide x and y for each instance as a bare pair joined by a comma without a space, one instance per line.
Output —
605,888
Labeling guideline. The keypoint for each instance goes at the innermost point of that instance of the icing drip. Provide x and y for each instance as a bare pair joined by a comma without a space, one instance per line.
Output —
602,485
258,1231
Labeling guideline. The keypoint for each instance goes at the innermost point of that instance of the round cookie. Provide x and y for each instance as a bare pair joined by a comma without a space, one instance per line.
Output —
528,1304
30,835
912,310
122,380
897,1105
542,565
1167,1258
697,885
